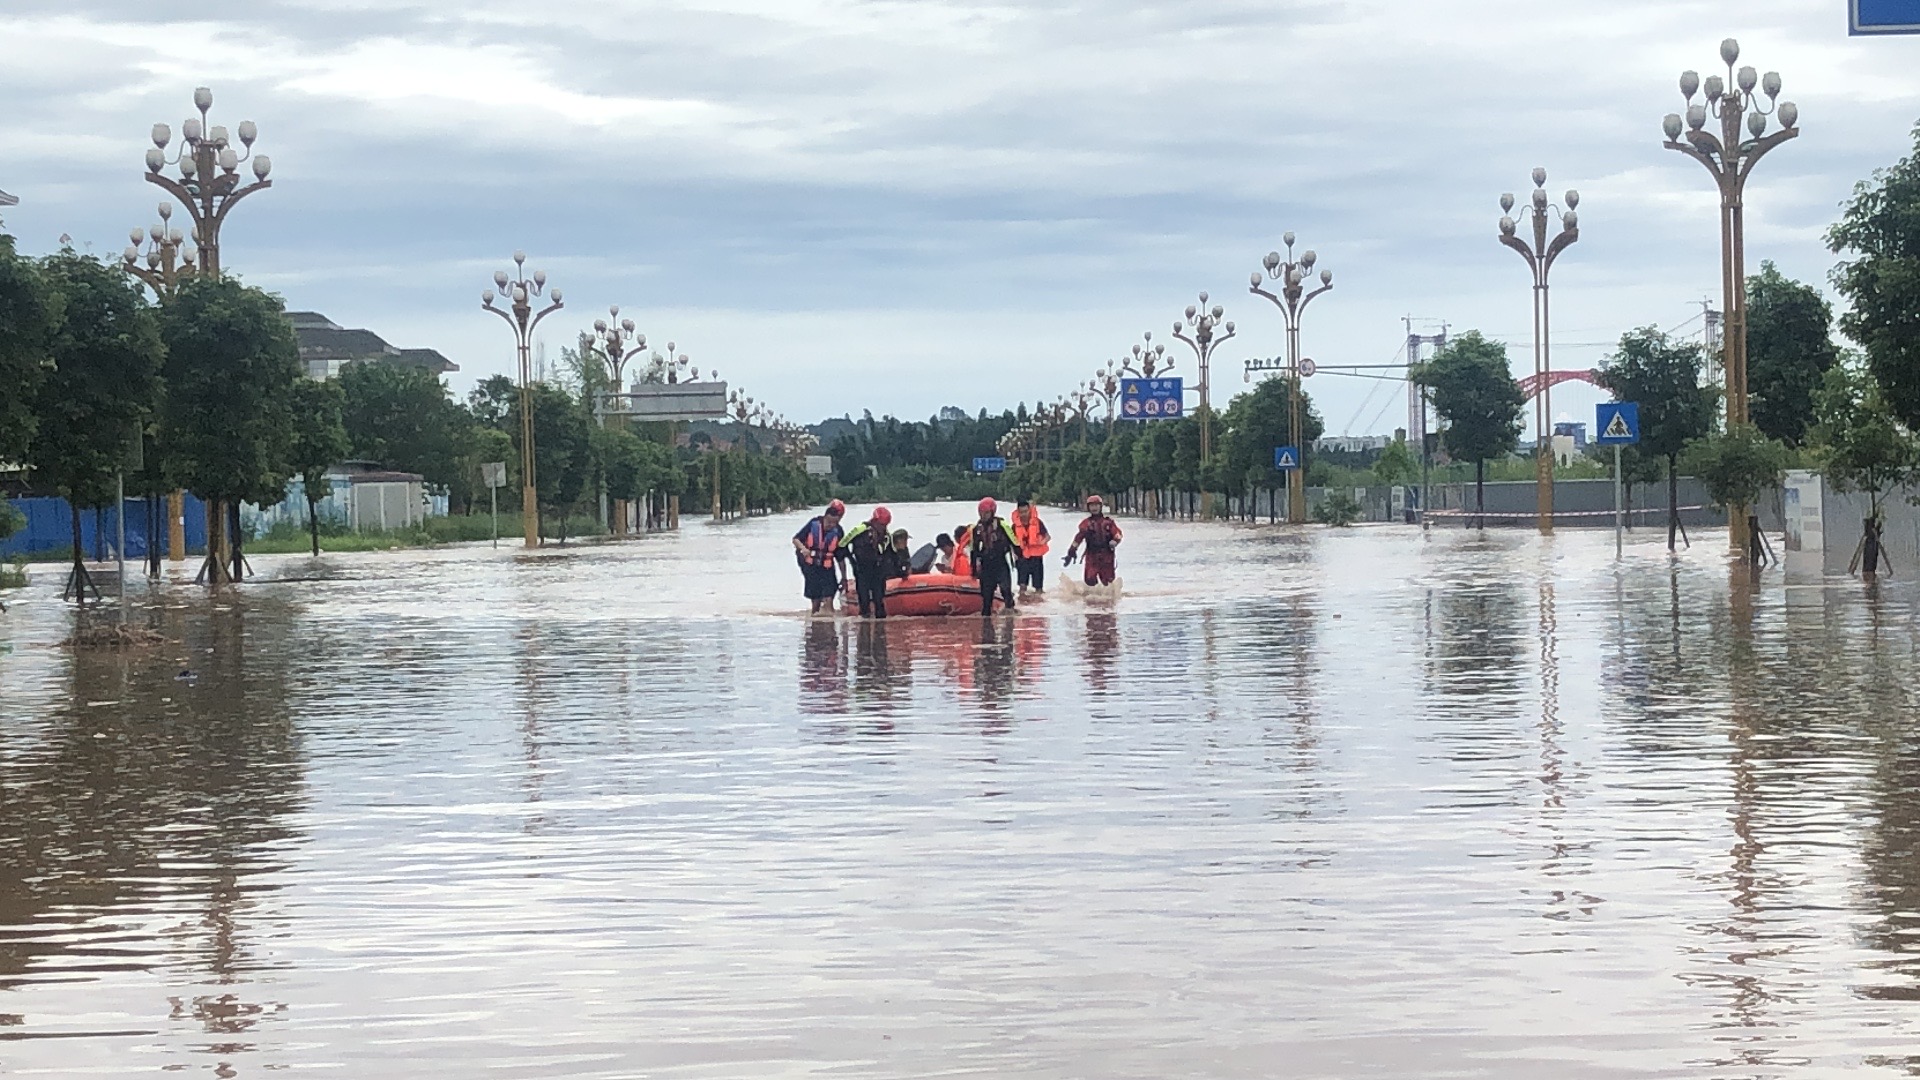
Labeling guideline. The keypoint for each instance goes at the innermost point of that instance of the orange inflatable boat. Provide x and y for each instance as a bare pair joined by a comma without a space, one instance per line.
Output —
928,594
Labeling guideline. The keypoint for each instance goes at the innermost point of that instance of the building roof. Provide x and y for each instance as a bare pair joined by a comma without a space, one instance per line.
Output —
323,339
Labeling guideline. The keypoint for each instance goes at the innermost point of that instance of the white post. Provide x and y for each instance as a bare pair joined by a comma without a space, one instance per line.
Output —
1618,531
493,496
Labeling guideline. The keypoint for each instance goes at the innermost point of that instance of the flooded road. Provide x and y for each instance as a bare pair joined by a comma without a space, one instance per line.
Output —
1301,804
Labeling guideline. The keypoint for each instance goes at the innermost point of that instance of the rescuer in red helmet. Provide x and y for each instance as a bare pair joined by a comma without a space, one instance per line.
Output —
991,549
1101,534
866,548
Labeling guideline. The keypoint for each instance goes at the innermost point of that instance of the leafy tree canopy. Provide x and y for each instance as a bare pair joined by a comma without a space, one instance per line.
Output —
1474,391
29,312
1662,376
1789,347
1880,228
232,363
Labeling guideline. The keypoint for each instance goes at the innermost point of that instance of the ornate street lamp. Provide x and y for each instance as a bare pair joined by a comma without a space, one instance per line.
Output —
209,185
520,292
611,338
1292,300
1197,329
1730,157
1539,252
1147,359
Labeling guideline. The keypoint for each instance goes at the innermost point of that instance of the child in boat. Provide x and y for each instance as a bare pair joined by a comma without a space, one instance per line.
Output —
899,560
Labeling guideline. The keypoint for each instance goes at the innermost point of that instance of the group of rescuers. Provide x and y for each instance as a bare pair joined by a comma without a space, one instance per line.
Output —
991,550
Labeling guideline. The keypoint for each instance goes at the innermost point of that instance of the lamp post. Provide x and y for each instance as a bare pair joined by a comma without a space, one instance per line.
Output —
1197,330
1730,157
520,292
1539,253
611,336
1147,358
1292,300
209,185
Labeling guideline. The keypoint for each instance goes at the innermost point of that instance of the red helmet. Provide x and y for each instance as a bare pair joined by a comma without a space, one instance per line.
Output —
1095,500
987,507
882,516
837,508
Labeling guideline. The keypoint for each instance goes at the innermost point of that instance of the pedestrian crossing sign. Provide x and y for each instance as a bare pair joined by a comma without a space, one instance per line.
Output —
1286,458
1617,423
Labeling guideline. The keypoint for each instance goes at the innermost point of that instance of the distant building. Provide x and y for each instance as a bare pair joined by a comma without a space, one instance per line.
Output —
364,497
1576,432
326,347
1352,444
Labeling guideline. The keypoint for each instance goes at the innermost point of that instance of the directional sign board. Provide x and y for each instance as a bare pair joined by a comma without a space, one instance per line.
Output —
668,401
1286,458
989,464
494,473
1883,16
1617,423
1151,399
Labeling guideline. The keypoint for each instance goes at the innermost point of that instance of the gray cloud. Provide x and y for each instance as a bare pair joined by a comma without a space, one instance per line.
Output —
844,203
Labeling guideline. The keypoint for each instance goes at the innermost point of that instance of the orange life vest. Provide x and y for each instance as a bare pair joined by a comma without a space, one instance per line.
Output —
962,561
1029,533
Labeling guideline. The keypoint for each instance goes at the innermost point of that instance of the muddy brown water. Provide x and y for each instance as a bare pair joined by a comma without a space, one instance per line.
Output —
1300,804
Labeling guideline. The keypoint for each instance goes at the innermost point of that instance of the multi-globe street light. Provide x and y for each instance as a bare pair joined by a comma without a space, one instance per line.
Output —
209,186
1197,329
520,292
1147,358
1292,300
1540,251
1730,157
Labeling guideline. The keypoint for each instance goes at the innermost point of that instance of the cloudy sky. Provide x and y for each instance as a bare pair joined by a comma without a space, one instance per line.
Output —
899,205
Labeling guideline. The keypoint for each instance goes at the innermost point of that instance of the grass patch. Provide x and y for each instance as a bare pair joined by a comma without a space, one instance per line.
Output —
289,539
13,575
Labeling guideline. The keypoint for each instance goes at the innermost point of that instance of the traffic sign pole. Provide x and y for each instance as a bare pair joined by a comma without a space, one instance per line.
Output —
1619,531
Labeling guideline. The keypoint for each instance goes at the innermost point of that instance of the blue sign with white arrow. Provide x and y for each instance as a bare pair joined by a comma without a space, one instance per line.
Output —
1883,16
1617,423
1286,458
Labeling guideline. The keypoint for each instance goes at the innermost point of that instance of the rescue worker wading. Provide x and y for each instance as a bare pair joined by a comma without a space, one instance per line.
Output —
991,550
1032,536
817,545
1101,534
867,546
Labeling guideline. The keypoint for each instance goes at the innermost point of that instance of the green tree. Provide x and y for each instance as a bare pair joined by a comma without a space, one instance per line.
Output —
1736,466
103,382
319,442
1662,376
29,312
1257,422
1396,464
1473,390
562,450
1789,347
1862,446
1880,228
404,418
232,363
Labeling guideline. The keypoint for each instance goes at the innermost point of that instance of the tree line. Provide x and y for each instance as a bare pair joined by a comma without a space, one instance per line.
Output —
206,393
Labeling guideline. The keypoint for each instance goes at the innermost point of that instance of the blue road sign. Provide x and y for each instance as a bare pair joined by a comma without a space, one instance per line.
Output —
1151,399
1883,16
989,464
1616,423
1286,458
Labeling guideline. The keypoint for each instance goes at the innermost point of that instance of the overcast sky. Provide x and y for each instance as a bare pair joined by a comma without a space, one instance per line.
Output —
899,205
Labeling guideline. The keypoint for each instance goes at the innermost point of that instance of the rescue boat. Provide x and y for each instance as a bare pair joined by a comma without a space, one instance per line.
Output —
928,594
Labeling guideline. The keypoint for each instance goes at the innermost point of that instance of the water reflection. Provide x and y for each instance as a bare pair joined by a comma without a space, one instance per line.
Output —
145,821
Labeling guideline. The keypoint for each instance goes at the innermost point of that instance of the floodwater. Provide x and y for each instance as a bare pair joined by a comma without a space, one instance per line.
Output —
1306,804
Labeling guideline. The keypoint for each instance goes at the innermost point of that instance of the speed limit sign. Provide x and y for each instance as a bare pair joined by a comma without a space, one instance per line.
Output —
1307,368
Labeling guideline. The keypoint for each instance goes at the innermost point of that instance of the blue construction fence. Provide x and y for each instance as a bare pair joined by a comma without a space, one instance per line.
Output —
50,528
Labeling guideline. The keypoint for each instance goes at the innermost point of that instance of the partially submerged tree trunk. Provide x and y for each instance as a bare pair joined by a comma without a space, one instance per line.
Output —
79,582
1673,499
239,571
1480,494
313,521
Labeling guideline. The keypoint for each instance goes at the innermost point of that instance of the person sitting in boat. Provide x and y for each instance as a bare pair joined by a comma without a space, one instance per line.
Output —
928,556
943,564
866,547
817,547
899,556
1101,534
991,549
962,559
